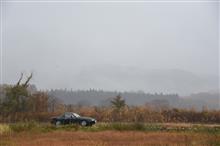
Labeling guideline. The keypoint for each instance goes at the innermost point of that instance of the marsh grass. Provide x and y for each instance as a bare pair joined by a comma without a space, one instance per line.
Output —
34,126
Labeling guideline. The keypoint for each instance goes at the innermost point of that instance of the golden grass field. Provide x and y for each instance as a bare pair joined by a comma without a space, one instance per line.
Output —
80,137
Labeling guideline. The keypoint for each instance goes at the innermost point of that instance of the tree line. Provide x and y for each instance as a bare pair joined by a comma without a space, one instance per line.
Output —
19,103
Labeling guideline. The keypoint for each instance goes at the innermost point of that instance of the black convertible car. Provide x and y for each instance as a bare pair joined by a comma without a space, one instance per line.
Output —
71,118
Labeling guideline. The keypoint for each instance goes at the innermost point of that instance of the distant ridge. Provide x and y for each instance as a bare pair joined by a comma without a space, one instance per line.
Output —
135,79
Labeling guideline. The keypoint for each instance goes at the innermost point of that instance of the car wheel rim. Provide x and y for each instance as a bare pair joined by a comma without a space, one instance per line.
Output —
57,123
83,123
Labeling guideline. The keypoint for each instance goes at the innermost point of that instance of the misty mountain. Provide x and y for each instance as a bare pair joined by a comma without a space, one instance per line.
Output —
118,78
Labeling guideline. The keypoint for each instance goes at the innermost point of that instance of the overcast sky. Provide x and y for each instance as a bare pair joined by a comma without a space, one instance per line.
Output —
57,40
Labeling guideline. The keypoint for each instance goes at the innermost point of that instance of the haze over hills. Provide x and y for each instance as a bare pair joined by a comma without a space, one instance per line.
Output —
121,78
103,98
162,87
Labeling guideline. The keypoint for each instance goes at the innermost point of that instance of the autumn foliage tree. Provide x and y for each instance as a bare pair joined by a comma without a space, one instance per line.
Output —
16,98
19,102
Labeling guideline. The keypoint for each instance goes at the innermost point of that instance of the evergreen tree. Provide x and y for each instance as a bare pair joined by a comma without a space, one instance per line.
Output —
118,102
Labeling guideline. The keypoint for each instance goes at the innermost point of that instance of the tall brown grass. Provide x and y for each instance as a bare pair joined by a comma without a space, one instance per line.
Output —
127,114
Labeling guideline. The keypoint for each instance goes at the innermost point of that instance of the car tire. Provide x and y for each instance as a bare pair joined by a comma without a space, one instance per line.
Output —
57,123
83,123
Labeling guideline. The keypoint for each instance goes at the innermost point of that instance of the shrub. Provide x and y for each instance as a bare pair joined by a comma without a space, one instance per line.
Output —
25,126
4,129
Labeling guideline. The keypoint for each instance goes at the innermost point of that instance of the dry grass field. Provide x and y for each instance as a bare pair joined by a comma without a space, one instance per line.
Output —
112,135
109,138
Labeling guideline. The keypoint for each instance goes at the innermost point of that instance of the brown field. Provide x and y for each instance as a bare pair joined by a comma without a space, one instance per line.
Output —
109,138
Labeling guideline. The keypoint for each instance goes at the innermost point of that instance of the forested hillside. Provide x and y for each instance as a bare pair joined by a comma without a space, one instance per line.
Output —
103,98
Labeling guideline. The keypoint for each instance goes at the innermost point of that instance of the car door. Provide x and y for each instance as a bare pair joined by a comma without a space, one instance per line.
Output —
73,119
67,119
62,119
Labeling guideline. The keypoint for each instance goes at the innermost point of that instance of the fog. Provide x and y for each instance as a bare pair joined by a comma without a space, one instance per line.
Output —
62,43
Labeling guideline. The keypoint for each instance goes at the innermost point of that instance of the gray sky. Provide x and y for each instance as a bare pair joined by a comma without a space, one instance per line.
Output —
56,41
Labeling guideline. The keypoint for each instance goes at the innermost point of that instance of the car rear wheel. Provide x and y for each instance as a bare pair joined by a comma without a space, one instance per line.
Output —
83,123
57,123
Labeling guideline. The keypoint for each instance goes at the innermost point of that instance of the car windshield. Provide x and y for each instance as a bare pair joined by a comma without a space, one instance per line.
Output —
76,115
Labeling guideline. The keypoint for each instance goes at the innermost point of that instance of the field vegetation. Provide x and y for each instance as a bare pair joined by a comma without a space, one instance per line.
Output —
106,134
